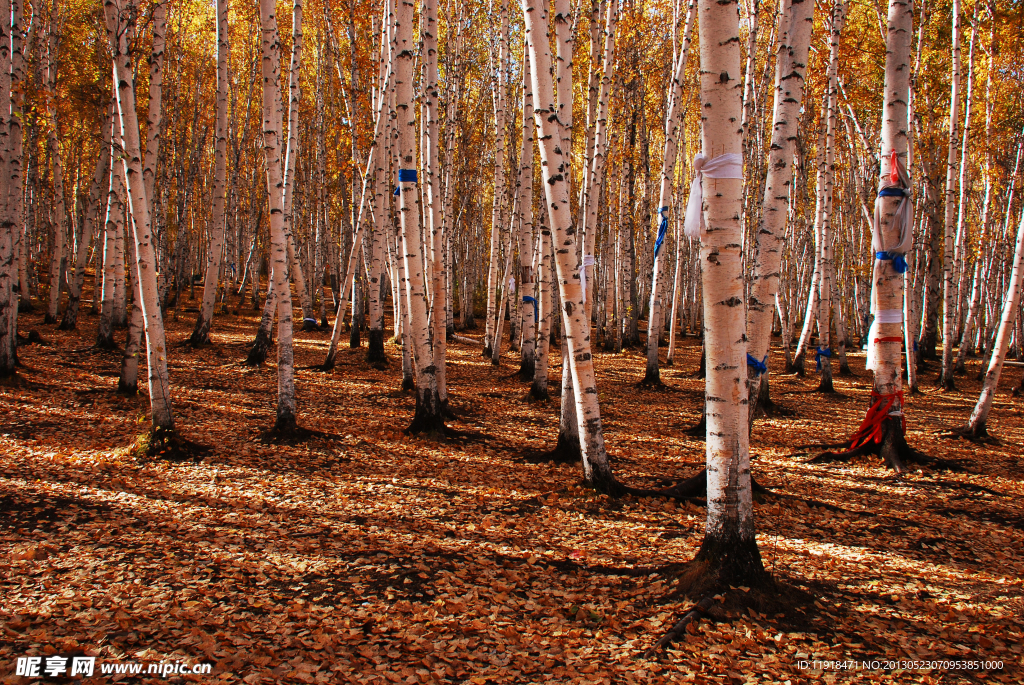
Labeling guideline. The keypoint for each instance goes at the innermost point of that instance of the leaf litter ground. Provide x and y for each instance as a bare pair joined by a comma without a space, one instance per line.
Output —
362,555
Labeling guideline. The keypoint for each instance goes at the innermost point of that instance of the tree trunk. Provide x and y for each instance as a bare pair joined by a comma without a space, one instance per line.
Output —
596,469
673,131
791,65
729,547
428,415
499,178
70,319
156,345
948,259
218,219
271,50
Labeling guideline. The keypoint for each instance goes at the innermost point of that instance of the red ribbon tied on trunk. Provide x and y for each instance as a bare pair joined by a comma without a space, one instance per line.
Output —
871,427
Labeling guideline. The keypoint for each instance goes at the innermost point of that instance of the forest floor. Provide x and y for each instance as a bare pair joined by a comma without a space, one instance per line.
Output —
363,555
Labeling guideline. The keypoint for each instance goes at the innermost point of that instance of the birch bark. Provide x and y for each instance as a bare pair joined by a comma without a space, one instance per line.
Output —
218,218
596,469
271,51
156,344
729,547
668,168
428,415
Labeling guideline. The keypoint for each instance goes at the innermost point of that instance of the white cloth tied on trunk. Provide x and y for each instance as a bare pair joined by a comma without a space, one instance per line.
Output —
904,218
587,261
903,222
729,165
881,316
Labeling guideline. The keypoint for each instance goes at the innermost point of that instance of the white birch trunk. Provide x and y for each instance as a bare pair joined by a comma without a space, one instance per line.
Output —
499,178
428,416
729,545
948,259
271,55
156,344
791,65
218,218
673,131
596,469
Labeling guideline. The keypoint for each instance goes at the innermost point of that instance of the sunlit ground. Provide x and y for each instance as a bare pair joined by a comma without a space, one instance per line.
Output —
363,555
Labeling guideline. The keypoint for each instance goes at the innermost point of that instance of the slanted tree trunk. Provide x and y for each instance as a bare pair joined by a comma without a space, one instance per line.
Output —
729,551
977,425
271,50
791,65
218,218
596,470
145,258
673,131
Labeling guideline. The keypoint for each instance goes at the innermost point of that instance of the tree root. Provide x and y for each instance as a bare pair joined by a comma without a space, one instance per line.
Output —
893,449
167,444
567,451
258,351
699,610
699,430
287,432
977,434
651,380
693,489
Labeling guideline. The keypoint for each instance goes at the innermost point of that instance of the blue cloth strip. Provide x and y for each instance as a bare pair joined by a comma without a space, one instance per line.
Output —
899,264
822,352
891,192
759,366
398,190
662,230
406,175
533,301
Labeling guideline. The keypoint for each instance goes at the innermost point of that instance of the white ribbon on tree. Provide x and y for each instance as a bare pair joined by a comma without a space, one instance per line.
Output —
881,316
729,165
587,261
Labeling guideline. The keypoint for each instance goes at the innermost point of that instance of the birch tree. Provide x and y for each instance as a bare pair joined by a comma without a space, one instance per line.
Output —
729,552
163,431
428,416
218,218
272,120
596,470
791,65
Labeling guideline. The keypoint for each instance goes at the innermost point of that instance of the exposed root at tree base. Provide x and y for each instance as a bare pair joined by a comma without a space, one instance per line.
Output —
651,381
567,451
893,450
977,434
693,489
700,430
258,351
161,443
699,611
287,432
